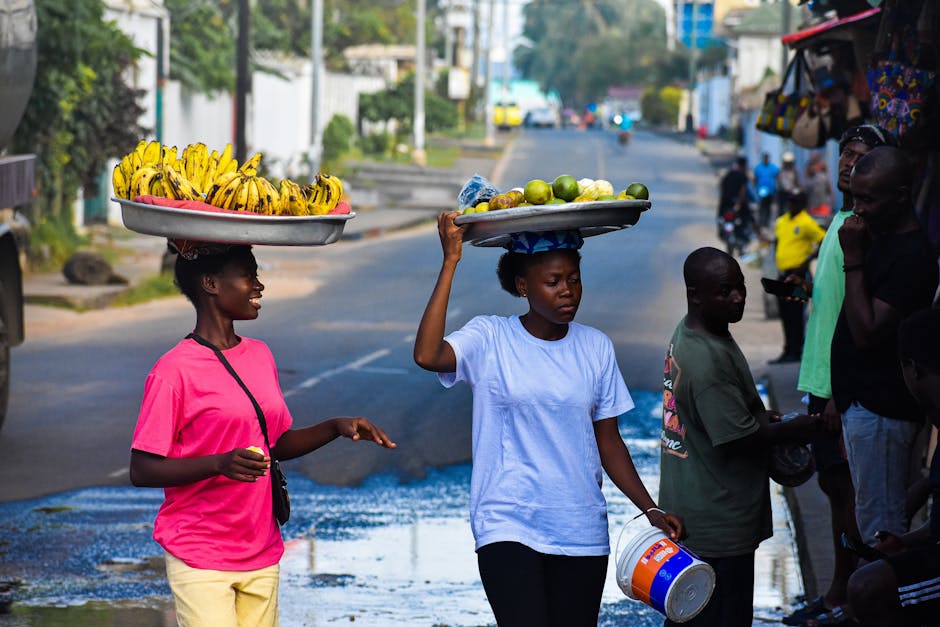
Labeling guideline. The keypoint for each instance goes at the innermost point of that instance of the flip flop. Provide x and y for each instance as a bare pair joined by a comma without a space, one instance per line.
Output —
835,616
810,610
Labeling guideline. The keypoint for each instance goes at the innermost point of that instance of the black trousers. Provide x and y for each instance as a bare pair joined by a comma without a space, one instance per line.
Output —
792,316
526,588
732,602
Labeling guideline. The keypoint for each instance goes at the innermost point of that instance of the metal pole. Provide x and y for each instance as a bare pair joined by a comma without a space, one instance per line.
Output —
316,72
487,77
419,156
475,63
786,25
241,80
693,46
506,64
161,82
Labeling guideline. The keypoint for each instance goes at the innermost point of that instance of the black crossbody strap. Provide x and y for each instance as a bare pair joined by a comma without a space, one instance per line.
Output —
228,366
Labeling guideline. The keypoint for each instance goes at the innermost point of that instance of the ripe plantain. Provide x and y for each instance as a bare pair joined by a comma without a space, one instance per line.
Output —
142,181
119,182
292,201
223,189
178,186
250,167
239,200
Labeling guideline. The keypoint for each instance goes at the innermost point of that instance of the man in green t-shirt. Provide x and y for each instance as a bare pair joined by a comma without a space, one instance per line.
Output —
828,292
716,437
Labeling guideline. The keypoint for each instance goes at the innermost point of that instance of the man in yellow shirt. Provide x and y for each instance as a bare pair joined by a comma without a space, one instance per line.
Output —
798,237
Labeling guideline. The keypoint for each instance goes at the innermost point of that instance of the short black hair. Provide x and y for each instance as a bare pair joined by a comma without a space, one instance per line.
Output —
188,272
700,261
512,265
888,164
919,339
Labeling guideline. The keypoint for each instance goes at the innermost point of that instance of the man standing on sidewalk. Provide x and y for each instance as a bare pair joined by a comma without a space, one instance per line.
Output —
715,438
890,272
827,291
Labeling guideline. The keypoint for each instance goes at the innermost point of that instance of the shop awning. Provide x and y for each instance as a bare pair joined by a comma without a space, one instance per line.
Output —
826,28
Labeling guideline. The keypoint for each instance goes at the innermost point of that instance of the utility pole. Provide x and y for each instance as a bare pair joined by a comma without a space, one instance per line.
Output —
419,157
161,81
506,64
475,63
693,47
487,76
242,80
316,73
786,25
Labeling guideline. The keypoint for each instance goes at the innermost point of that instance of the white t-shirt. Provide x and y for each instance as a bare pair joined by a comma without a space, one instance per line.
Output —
537,472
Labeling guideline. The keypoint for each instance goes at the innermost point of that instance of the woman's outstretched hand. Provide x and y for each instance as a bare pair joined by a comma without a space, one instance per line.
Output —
671,524
362,429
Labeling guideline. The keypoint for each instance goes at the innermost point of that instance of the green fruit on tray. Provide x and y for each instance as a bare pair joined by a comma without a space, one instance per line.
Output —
638,191
565,187
537,192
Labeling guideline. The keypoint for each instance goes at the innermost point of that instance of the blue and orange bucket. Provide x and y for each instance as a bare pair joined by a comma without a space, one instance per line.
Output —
663,574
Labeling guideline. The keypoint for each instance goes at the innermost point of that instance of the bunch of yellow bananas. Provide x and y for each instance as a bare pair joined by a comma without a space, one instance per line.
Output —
217,179
323,194
241,191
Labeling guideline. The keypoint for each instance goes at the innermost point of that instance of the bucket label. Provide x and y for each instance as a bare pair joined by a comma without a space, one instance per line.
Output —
655,572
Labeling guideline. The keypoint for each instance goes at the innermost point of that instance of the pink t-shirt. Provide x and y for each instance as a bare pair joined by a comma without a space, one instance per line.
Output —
193,407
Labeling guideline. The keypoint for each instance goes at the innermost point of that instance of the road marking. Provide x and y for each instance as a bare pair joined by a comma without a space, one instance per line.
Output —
120,472
353,365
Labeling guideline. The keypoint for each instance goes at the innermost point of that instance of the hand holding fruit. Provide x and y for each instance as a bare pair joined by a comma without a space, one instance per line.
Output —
241,464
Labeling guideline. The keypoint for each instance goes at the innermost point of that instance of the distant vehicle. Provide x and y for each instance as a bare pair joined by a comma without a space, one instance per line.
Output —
17,174
507,115
543,117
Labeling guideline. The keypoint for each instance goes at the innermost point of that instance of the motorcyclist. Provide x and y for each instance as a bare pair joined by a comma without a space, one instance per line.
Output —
734,203
624,128
765,179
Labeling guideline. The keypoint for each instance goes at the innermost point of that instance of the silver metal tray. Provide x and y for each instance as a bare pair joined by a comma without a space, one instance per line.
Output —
232,228
492,228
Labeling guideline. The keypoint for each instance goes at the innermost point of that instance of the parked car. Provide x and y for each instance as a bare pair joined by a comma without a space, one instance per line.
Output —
507,115
542,117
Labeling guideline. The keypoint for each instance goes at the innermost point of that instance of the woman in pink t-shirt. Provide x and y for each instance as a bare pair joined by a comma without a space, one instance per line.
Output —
193,434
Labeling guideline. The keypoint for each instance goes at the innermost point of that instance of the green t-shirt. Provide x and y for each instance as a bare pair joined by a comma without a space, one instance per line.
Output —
828,294
709,399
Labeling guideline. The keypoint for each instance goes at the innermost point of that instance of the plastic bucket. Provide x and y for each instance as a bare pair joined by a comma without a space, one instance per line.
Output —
663,574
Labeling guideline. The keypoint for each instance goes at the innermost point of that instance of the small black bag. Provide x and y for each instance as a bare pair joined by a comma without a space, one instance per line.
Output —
280,499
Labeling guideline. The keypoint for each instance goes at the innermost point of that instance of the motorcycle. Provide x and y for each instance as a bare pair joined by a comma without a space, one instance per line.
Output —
623,137
734,230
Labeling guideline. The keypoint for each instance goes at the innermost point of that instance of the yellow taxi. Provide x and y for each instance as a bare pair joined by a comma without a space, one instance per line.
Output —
507,115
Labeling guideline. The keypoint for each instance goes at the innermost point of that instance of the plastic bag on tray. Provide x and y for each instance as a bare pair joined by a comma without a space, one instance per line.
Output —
476,190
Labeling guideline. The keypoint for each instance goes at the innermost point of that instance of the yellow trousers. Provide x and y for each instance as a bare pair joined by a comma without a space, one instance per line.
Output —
223,598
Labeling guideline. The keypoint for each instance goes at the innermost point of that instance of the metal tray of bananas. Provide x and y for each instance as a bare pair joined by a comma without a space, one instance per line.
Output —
231,227
492,228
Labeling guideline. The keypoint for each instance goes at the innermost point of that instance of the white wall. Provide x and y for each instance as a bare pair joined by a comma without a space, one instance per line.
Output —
754,56
713,100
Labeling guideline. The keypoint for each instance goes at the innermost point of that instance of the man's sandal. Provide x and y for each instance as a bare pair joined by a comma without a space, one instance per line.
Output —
810,610
835,616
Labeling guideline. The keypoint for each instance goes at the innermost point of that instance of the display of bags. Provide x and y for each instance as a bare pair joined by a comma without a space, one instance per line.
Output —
901,85
784,105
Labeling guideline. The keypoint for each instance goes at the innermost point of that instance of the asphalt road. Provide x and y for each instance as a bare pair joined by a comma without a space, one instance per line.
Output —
341,320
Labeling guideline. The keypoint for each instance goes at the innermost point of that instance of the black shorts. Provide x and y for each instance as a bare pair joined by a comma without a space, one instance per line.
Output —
828,449
918,573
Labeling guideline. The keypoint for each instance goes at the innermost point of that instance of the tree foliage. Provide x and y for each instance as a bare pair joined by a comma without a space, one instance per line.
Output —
204,33
81,112
397,104
581,48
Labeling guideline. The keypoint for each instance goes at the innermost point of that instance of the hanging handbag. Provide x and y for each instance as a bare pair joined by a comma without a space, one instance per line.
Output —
782,107
901,87
811,128
280,499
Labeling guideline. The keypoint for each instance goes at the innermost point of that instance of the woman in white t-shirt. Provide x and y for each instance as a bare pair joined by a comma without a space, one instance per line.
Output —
546,395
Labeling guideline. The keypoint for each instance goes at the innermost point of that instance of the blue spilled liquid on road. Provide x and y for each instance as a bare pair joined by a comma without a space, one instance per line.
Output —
386,552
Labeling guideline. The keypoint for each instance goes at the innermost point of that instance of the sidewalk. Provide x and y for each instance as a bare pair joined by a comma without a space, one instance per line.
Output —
760,340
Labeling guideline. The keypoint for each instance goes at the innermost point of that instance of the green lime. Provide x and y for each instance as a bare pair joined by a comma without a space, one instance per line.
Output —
538,192
638,191
555,201
606,197
565,187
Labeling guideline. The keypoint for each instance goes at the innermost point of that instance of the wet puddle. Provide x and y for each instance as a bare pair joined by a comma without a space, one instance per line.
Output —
383,553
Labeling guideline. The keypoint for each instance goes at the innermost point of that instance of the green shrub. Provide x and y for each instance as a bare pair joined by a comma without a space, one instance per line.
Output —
376,143
337,137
